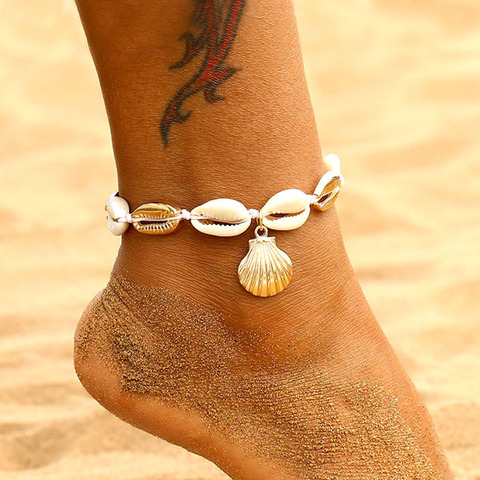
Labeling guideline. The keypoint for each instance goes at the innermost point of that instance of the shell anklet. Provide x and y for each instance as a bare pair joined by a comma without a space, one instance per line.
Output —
266,270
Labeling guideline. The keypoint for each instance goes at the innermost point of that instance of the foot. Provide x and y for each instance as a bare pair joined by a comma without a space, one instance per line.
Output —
303,385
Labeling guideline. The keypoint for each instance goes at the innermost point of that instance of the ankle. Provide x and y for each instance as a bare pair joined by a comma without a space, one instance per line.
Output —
250,177
324,293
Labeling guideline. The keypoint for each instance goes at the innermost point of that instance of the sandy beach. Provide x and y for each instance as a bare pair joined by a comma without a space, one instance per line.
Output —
396,90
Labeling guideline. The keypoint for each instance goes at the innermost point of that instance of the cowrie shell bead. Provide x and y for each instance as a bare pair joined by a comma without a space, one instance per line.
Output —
324,181
224,217
286,210
117,208
332,163
327,191
153,219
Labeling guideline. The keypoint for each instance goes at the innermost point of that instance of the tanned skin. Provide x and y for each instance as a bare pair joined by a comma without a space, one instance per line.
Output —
215,24
303,347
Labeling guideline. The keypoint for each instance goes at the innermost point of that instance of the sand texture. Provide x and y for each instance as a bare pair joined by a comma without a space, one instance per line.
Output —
396,90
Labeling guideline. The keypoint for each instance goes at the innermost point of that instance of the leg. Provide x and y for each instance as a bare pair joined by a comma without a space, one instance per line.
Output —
303,385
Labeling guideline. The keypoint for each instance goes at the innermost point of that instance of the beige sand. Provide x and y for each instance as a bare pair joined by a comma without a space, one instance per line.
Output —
396,89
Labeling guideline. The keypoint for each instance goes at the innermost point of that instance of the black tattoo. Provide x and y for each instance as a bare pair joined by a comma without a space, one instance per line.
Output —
218,22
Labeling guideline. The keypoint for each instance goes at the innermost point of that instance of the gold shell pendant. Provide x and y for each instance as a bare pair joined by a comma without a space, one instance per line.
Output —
266,270
146,218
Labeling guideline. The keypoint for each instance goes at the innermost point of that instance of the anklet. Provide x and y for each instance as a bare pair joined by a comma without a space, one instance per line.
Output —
266,270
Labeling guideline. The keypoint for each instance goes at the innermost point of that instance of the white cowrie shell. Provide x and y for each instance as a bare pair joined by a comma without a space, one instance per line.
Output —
286,210
324,181
332,163
224,218
117,208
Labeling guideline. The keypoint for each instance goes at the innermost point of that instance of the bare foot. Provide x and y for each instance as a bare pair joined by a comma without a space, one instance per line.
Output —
303,385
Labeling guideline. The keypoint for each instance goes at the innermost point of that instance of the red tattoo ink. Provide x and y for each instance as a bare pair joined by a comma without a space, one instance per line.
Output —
218,21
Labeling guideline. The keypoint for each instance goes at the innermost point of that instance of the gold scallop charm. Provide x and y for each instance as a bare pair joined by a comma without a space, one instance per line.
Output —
327,191
153,219
266,270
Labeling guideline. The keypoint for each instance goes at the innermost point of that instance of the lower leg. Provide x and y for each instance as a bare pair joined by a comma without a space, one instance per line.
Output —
305,379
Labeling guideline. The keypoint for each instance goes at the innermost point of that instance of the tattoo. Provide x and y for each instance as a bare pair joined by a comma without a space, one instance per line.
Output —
217,22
